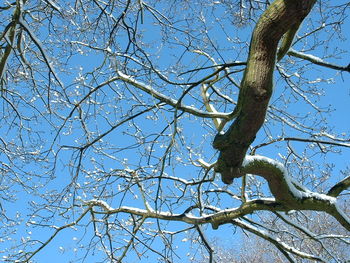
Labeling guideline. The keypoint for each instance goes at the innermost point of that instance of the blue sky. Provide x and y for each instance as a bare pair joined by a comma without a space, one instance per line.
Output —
65,246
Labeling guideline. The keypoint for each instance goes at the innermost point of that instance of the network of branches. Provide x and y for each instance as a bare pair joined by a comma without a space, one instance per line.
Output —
147,130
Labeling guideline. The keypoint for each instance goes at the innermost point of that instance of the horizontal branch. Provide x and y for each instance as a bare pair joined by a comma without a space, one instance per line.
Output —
215,219
289,195
317,60
307,140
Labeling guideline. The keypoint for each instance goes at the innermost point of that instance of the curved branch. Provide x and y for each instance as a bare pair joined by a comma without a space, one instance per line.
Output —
41,48
287,41
291,194
256,86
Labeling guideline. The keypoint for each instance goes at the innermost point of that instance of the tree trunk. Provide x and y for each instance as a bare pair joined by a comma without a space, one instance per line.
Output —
256,87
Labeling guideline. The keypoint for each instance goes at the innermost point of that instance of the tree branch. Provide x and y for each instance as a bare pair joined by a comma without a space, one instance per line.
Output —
339,187
291,194
170,101
256,86
317,60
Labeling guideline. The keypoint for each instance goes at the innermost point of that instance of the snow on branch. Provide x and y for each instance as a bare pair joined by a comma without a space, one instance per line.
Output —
297,190
41,49
289,195
317,60
292,194
215,219
174,103
281,246
210,107
273,171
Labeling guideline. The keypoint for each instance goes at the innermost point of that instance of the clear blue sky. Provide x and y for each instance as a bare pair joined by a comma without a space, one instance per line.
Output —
65,245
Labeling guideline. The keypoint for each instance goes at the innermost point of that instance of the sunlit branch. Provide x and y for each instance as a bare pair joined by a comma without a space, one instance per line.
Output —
205,85
290,193
222,216
288,196
172,102
317,60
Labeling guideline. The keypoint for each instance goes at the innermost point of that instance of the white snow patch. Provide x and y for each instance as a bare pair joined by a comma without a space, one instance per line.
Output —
100,203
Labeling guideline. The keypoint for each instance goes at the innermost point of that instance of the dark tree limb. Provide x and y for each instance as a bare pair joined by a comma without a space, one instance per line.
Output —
256,86
339,187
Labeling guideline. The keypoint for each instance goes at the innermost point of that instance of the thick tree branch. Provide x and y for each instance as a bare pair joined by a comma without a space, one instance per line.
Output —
9,36
290,193
289,196
215,219
256,86
339,187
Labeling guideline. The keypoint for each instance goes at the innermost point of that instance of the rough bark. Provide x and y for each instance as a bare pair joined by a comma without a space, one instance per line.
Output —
256,87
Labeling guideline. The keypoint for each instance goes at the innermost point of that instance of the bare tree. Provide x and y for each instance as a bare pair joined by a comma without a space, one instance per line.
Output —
118,118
